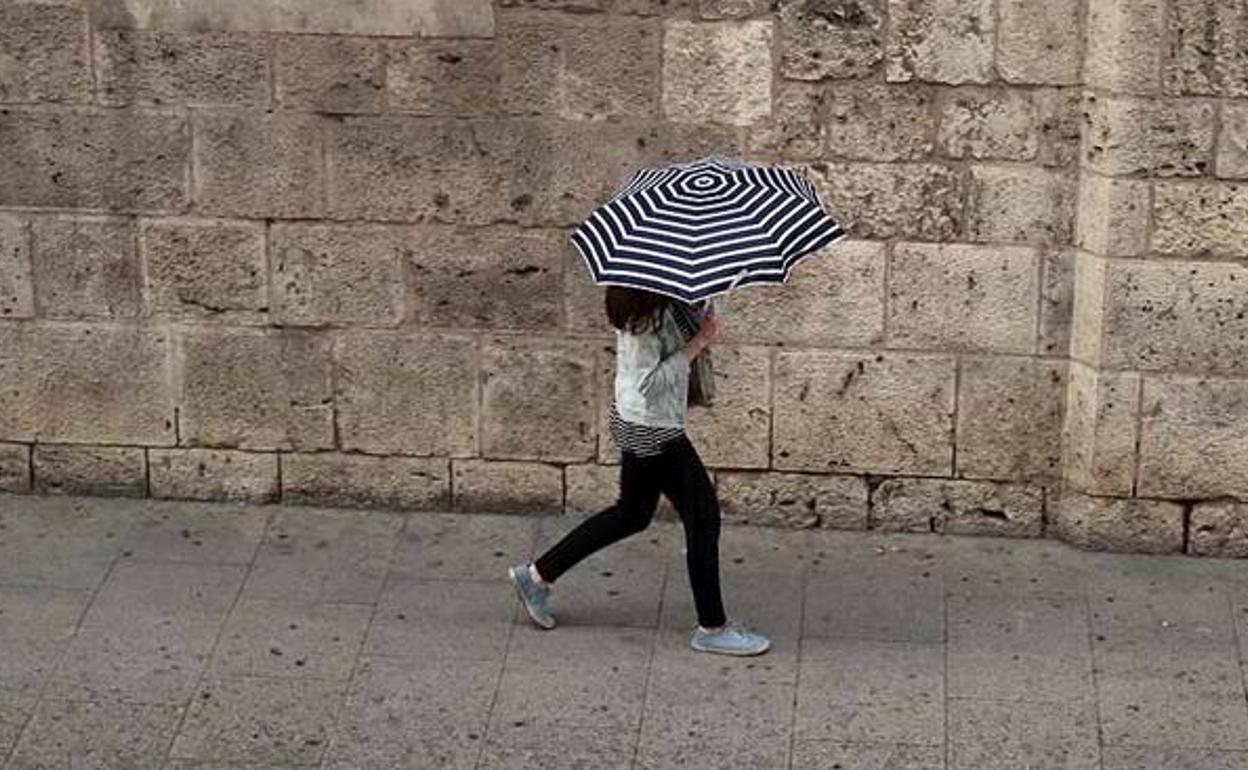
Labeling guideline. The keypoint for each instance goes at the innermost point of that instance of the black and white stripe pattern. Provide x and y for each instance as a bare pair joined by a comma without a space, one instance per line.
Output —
695,230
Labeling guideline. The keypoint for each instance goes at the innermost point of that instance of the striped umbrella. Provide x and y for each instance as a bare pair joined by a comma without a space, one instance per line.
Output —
695,230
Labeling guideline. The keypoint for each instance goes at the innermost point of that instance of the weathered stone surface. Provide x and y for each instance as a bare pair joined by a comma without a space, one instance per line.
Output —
717,72
1232,158
1173,137
1219,529
879,122
733,9
590,488
213,474
538,400
136,67
945,41
255,389
507,487
17,293
580,67
365,481
15,468
886,413
793,500
1113,214
894,200
1021,204
1010,418
85,383
424,18
832,298
86,267
438,77
962,297
795,128
1117,524
1057,299
576,6
258,165
653,7
983,123
958,507
1099,435
106,471
495,277
1201,219
338,274
328,74
837,39
1124,41
1206,44
584,301
1060,124
733,433
102,159
1194,438
1177,315
43,53
401,393
1088,316
1037,42
205,269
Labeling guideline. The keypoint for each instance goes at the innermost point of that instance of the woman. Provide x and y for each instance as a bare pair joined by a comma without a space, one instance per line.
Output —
656,340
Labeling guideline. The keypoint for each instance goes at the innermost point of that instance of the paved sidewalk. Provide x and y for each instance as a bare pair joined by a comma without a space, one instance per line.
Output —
156,634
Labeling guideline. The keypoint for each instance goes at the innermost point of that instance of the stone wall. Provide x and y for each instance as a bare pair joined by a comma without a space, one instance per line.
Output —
314,252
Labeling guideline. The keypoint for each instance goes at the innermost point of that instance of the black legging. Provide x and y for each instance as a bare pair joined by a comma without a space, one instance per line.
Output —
679,474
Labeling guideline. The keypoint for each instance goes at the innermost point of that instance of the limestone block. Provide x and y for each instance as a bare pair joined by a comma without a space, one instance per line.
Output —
576,6
496,277
15,468
584,301
366,481
839,39
958,507
1219,529
835,297
139,67
982,123
507,487
885,413
1117,524
1206,44
213,474
105,471
1021,204
258,165
442,77
86,267
1088,315
1113,214
1060,117
85,383
924,201
944,41
328,74
579,67
1010,418
1232,159
963,297
793,500
1177,315
717,72
795,129
1201,219
255,389
591,488
1099,430
1039,42
205,269
1124,136
1194,438
1057,299
43,53
101,159
338,274
654,7
538,399
404,393
17,293
733,433
879,122
733,9
1124,41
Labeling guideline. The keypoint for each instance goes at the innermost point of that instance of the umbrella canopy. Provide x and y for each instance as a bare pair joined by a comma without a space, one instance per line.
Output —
695,230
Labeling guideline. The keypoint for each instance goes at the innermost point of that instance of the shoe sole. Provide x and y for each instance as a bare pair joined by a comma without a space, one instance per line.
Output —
511,577
735,653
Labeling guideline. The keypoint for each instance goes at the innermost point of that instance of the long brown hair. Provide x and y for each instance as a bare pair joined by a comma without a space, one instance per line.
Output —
634,310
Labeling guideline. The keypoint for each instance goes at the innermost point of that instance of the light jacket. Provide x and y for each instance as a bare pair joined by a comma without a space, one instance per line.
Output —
652,375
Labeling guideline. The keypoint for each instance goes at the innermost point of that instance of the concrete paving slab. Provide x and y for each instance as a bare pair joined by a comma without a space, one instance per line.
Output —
442,620
105,734
1022,735
202,532
818,755
463,546
61,541
276,637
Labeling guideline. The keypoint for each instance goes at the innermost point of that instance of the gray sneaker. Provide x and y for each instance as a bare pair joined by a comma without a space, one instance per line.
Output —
730,640
532,595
